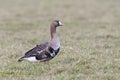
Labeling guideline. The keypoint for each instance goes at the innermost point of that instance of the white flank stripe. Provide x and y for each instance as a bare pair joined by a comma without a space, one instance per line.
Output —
31,59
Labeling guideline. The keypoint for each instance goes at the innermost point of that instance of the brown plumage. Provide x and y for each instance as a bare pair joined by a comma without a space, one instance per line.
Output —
47,50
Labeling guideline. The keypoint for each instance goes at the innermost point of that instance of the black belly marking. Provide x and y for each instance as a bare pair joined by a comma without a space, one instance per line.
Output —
49,55
52,51
56,51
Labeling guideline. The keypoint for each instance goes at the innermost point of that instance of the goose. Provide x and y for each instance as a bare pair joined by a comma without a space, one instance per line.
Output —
47,50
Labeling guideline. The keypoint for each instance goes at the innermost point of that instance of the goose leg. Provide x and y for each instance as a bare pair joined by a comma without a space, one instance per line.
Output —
38,61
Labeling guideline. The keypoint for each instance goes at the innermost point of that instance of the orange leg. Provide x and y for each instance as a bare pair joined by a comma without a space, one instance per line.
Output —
38,61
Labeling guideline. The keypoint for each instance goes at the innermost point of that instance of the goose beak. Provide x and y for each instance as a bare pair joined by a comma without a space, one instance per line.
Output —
61,24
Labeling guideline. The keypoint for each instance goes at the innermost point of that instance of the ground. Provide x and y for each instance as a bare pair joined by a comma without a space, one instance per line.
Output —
90,39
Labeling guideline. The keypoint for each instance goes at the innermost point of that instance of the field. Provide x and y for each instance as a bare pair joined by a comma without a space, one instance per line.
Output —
90,39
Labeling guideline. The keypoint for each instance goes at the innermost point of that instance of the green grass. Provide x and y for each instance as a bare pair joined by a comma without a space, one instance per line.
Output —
90,39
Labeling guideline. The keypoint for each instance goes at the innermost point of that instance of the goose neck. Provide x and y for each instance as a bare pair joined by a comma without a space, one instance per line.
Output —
53,31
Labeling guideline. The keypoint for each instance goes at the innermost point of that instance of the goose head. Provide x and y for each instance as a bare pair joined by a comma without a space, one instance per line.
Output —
57,23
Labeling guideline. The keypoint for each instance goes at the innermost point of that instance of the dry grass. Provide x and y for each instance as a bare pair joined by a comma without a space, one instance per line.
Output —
90,39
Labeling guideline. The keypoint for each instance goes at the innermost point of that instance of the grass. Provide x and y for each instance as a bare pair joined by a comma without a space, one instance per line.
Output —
90,39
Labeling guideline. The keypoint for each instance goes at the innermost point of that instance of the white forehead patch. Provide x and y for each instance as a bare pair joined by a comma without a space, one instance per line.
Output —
60,23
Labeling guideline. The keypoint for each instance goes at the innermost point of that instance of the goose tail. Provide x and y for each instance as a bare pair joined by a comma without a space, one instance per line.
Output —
21,59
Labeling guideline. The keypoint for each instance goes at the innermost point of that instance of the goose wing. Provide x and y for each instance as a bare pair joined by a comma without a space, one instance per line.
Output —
36,50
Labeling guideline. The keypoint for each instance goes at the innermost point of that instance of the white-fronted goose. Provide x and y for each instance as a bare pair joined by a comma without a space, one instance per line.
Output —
47,50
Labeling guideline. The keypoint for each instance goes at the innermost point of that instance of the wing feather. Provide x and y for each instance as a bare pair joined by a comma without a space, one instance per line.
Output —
36,50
